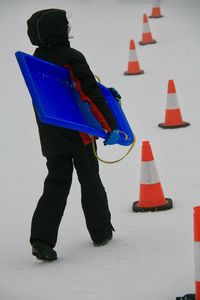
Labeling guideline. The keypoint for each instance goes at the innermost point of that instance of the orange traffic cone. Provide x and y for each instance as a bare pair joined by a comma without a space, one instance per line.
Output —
151,193
173,117
196,257
156,12
133,64
197,250
146,33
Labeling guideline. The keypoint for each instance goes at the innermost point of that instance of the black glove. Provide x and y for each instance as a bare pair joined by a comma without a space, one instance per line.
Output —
115,93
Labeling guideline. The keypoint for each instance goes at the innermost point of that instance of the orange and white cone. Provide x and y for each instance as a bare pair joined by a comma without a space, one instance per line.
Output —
146,33
133,63
151,193
173,116
156,11
196,256
197,250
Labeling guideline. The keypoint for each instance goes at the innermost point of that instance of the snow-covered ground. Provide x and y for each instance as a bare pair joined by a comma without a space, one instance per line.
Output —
151,255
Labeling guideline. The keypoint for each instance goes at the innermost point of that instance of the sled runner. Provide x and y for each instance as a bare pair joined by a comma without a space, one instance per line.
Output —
57,101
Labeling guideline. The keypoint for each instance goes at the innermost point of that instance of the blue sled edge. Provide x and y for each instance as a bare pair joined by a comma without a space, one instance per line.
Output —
47,82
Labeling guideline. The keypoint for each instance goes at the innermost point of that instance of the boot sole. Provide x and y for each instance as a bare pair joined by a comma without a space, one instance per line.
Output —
96,244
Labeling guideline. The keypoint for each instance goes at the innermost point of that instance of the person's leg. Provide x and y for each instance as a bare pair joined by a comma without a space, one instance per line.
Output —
51,205
93,195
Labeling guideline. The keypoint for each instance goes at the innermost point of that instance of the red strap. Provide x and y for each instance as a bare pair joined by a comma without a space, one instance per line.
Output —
85,137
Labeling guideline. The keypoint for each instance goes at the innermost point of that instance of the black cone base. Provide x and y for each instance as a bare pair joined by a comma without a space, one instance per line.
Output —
166,206
184,124
152,17
139,73
149,43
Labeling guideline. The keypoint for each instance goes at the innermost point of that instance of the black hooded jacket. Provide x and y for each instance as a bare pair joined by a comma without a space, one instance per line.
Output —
48,29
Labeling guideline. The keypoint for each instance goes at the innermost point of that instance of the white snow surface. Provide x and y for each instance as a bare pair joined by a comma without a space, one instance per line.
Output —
151,256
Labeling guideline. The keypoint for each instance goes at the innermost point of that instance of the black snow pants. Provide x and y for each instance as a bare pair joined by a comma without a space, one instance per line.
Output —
51,205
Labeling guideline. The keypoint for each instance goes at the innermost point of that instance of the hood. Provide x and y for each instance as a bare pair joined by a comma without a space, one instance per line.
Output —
48,27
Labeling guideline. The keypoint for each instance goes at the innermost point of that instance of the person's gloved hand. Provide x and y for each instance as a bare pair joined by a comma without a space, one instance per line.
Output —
115,93
112,137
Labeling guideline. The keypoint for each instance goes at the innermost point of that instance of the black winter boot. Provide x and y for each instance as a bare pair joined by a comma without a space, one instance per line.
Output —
104,242
187,297
43,251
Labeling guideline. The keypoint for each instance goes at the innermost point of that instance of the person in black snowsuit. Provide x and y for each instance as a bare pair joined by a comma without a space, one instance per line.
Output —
65,149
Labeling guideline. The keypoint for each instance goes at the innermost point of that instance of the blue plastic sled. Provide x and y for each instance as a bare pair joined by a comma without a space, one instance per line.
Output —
57,102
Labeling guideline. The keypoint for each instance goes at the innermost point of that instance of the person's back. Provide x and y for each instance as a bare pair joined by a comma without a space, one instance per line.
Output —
65,149
49,29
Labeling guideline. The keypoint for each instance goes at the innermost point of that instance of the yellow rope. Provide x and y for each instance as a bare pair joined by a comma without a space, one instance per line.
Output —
98,78
126,137
114,161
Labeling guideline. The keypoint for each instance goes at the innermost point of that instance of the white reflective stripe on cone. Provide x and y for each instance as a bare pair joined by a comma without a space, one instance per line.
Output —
172,101
146,28
197,260
149,174
132,55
